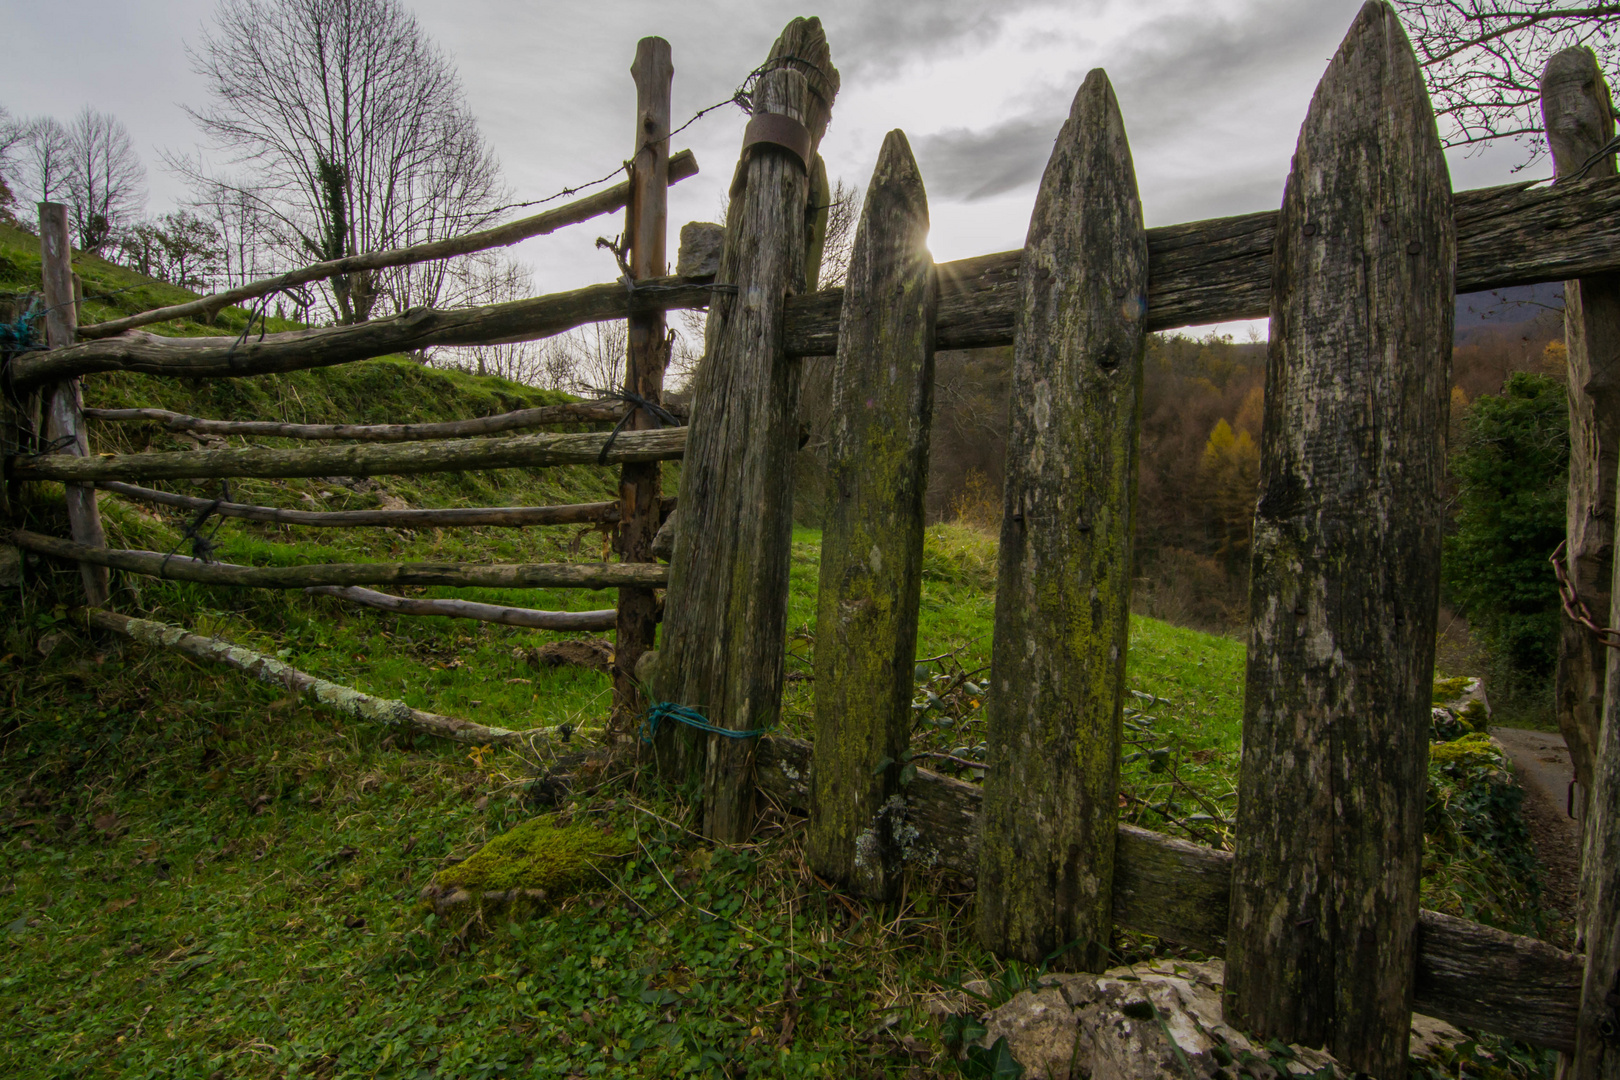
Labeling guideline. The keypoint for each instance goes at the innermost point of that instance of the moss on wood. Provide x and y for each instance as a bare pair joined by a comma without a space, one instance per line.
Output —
538,855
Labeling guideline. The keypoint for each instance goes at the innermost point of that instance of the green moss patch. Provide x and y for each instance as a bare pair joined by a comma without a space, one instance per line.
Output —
1450,689
538,855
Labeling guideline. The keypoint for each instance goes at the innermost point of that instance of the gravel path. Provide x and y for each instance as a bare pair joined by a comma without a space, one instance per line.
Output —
1541,762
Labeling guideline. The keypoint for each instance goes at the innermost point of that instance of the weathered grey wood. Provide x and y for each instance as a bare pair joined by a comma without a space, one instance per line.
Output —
519,451
1218,270
725,619
1467,974
606,201
64,402
573,412
1069,514
872,537
468,609
1597,1039
1485,979
298,350
1346,567
641,483
268,669
1579,120
1201,272
497,575
502,516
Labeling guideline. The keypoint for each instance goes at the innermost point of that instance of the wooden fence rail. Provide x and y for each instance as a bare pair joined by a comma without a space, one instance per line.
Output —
516,452
681,166
499,516
1467,974
468,609
573,412
495,575
1201,272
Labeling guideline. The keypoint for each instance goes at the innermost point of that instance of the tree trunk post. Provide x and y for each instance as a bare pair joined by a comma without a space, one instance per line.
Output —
646,227
64,409
872,539
1597,1031
1046,860
725,623
1579,119
1346,567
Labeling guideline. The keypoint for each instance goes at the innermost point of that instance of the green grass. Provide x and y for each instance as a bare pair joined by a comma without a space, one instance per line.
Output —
203,876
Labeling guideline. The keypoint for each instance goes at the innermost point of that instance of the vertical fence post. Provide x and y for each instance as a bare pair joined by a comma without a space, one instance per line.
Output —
1597,1031
646,229
1579,119
1346,567
872,539
1057,663
64,408
725,616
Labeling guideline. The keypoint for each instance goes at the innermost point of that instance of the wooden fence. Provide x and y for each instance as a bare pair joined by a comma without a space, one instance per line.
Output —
1317,910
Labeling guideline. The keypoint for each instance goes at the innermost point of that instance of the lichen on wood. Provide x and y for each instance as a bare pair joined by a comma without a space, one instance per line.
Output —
872,540
1346,566
1063,594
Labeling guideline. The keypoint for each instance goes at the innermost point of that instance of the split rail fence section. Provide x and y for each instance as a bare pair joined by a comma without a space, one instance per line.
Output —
1317,911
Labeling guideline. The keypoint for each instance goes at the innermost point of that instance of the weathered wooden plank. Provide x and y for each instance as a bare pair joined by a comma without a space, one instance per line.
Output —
1219,270
468,609
268,669
1474,976
1579,119
640,483
725,620
64,402
1346,567
573,412
1063,594
519,451
497,575
681,166
872,536
502,516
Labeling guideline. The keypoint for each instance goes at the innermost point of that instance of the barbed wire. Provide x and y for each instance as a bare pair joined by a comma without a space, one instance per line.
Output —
742,97
1575,607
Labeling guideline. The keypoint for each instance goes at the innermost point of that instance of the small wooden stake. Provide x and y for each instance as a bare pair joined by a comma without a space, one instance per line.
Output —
1346,567
64,410
1579,117
725,625
1057,664
872,541
646,231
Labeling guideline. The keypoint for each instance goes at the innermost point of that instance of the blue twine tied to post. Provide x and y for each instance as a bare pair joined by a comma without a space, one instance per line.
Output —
668,710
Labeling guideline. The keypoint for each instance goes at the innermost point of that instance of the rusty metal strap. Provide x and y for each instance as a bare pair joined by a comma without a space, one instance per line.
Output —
1576,608
777,129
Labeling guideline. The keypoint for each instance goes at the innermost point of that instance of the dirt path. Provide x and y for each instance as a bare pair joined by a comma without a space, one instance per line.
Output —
1541,761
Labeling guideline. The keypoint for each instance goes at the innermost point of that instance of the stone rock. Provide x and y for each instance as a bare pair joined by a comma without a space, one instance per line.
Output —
663,545
1157,1021
701,242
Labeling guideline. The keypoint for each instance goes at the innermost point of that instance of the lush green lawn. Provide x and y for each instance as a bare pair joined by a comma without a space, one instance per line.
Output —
200,876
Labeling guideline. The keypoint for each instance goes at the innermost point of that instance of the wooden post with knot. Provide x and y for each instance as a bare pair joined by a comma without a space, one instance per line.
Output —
1057,662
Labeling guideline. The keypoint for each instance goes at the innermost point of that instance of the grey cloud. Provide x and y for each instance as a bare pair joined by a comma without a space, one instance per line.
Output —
871,39
970,165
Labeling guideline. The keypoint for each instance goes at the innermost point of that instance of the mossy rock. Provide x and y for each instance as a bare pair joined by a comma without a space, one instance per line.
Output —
1470,751
534,864
1450,689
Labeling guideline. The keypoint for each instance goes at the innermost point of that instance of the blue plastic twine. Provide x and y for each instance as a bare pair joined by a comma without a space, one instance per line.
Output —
668,710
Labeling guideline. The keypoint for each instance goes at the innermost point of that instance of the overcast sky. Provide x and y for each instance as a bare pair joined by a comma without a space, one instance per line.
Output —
1213,93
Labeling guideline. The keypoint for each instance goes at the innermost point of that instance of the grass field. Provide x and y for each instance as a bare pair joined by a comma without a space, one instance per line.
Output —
202,877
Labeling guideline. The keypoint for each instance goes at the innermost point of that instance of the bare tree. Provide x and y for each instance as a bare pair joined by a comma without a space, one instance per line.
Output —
1483,60
491,279
588,361
106,182
42,169
352,130
180,248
